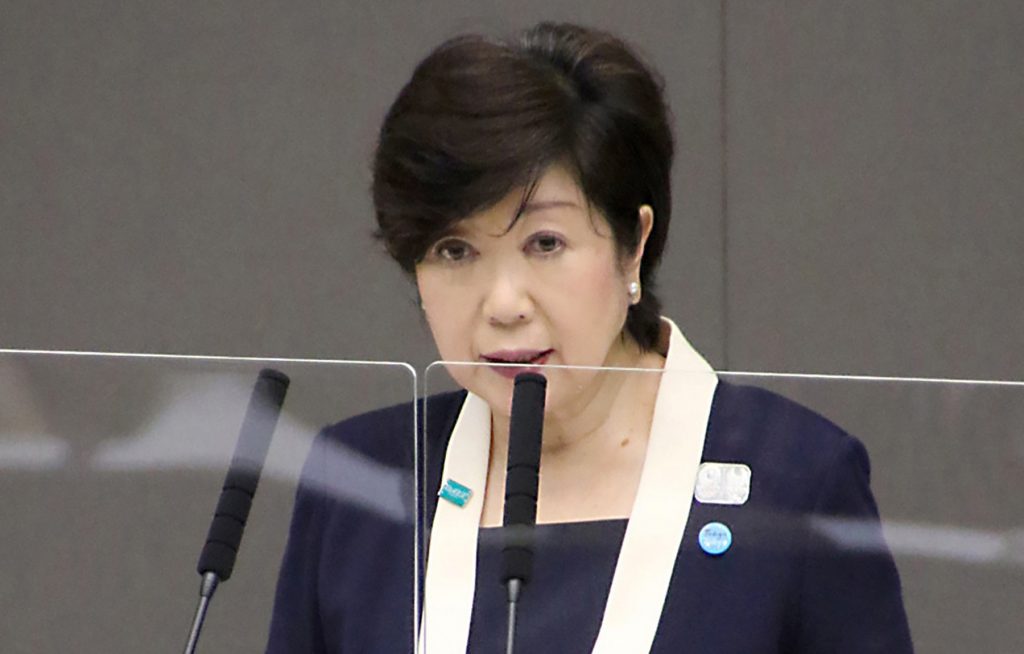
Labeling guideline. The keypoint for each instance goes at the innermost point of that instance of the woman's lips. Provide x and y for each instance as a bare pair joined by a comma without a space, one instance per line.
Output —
526,358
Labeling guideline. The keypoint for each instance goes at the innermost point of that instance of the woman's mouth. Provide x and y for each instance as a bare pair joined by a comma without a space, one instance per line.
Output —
512,362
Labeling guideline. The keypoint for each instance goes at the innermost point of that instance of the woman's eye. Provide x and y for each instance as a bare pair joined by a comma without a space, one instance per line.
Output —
546,243
453,251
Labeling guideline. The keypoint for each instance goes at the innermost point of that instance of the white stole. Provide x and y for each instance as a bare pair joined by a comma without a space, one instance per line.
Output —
653,535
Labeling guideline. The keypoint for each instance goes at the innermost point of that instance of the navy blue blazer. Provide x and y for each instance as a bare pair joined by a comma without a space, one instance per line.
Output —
808,570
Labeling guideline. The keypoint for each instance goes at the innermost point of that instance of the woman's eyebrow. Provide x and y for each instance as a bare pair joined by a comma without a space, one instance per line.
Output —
535,205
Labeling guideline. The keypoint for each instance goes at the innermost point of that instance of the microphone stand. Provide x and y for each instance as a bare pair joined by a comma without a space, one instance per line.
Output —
206,590
513,586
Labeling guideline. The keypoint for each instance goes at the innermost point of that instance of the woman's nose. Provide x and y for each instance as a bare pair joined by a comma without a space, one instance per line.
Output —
508,300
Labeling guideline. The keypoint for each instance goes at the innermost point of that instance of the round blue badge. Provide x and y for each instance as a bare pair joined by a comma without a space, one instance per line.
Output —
715,538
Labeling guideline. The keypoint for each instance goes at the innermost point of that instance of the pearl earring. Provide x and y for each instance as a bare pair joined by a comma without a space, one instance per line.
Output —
634,292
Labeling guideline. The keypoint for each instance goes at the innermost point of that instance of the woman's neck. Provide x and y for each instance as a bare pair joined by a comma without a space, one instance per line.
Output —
613,392
593,452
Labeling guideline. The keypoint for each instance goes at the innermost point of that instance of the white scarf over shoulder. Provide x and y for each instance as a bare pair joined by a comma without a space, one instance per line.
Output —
653,535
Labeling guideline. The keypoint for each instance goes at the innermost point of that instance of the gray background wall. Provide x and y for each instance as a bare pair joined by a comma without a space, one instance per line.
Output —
193,177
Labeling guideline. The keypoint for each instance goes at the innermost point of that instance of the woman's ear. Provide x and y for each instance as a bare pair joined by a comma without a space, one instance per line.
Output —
645,223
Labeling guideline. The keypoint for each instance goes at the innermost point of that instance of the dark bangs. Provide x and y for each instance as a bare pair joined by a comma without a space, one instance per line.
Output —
476,121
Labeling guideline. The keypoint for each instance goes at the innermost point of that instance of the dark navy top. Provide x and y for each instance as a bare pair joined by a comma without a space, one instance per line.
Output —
572,574
808,570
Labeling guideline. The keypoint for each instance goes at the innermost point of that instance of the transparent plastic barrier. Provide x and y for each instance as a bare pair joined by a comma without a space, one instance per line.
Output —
110,469
806,558
947,471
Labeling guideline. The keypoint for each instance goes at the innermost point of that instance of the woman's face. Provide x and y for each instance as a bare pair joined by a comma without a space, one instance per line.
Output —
551,289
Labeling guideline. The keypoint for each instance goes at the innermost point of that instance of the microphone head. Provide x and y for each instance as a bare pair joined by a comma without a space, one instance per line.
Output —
523,474
225,535
531,378
526,427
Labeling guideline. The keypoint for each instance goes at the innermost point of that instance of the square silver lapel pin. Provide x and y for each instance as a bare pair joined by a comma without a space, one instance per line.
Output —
722,483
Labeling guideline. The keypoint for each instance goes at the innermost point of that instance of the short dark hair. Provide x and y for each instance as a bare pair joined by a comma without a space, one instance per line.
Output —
482,117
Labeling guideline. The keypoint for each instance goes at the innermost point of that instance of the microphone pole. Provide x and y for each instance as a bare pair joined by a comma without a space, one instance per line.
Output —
217,559
522,476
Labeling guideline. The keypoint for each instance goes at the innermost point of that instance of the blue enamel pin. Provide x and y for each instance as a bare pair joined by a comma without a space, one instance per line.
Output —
715,538
455,493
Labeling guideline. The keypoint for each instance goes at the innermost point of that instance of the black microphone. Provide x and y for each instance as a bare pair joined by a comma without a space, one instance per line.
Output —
526,428
217,559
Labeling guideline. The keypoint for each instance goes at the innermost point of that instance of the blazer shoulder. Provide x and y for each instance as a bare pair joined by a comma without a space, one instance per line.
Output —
387,434
743,413
789,447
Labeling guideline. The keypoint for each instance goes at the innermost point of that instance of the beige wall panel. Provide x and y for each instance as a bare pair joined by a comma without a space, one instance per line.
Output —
874,198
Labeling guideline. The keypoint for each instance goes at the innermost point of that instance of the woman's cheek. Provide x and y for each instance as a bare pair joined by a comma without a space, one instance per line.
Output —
451,335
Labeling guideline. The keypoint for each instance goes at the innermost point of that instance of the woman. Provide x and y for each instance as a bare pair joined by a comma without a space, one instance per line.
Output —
525,187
